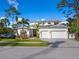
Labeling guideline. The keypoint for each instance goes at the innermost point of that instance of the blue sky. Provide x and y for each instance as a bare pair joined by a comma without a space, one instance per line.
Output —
35,9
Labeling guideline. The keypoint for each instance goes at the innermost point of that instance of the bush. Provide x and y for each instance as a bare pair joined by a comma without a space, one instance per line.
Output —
23,34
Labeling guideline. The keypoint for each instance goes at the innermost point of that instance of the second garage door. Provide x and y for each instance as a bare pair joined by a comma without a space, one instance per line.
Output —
59,34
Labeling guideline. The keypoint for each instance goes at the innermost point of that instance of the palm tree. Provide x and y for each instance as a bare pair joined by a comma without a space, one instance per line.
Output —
69,8
37,30
16,25
13,13
24,23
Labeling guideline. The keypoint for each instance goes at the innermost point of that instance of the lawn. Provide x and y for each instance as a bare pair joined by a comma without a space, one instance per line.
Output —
22,40
22,44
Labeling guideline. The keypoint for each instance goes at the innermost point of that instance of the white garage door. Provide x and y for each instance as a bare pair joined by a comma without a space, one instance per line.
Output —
59,34
45,35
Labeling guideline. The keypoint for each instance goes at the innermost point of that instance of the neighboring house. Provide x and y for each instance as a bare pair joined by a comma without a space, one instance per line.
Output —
45,23
48,30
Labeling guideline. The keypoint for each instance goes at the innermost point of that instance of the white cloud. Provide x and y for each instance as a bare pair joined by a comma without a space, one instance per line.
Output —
2,17
43,19
13,3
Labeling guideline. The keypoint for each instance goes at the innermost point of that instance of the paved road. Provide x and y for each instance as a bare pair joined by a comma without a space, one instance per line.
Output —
58,50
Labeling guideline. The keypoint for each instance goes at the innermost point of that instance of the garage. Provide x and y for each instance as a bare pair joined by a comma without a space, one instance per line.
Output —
45,35
54,32
59,34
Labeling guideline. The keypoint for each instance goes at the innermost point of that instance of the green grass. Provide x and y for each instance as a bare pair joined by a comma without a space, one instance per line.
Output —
32,45
22,44
22,40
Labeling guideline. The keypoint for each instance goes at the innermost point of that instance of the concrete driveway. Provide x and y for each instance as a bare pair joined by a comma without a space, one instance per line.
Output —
63,49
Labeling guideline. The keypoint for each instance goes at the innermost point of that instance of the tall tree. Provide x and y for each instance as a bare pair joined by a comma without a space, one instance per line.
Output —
37,30
13,13
69,8
24,23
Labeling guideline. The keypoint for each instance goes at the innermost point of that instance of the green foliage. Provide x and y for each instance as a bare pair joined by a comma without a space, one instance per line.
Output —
5,21
37,30
77,29
68,7
72,24
61,4
73,27
24,22
12,11
6,30
1,30
23,34
11,42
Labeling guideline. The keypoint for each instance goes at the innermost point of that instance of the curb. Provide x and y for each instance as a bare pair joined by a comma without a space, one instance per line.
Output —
25,42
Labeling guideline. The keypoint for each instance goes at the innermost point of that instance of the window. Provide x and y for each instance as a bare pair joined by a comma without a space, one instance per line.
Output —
49,22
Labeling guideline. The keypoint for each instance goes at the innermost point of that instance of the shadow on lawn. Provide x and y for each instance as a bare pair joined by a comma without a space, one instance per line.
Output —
46,50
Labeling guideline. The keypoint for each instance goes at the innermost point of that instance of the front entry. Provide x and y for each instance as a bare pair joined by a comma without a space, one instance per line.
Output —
32,32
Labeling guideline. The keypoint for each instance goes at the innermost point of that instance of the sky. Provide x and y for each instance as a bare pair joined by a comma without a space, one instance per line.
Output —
35,9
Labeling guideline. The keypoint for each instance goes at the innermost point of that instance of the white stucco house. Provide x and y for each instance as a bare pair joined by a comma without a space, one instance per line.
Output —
48,30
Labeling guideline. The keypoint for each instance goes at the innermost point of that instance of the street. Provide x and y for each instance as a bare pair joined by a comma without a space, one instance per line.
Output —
58,50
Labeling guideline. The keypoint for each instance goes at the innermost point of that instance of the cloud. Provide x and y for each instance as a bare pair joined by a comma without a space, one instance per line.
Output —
43,19
2,17
13,3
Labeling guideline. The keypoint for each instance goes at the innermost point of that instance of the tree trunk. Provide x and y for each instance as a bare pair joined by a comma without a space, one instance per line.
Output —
23,33
17,28
76,11
77,17
77,20
77,36
17,33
